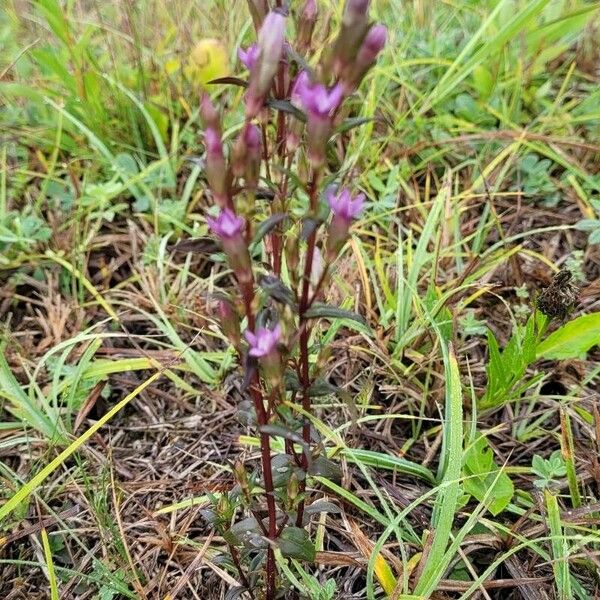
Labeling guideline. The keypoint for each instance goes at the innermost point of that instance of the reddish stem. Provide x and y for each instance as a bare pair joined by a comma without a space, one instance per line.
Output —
247,290
304,338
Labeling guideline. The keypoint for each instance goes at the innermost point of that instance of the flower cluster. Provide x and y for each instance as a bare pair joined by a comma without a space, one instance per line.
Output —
281,264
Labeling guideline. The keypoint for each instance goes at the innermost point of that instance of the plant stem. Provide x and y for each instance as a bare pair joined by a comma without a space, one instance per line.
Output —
247,290
305,336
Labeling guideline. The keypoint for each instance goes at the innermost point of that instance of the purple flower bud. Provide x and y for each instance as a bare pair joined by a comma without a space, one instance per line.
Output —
208,113
271,38
344,209
230,321
212,140
227,225
355,23
317,267
372,44
343,205
310,10
367,55
263,341
216,167
247,155
252,137
355,9
258,11
306,23
249,56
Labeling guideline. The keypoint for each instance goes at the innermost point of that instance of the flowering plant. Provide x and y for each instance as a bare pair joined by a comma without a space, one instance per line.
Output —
281,152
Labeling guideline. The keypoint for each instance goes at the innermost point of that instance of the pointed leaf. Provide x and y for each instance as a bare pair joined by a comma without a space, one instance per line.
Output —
324,311
267,226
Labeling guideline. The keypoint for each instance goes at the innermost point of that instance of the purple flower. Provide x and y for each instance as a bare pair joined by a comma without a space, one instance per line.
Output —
263,341
227,225
249,56
343,205
315,98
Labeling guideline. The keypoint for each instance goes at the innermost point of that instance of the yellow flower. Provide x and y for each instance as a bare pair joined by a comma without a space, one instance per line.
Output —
207,61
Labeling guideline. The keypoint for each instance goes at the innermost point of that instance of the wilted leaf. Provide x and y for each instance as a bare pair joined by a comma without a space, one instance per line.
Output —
284,432
309,225
282,466
246,413
322,387
235,592
202,245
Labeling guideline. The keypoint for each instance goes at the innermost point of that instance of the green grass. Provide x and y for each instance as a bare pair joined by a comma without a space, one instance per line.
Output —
480,154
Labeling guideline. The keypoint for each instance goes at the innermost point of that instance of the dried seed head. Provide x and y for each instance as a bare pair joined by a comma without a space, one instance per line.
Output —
560,297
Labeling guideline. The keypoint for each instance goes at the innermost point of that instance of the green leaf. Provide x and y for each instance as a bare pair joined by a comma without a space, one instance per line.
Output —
446,501
324,467
276,289
56,19
351,123
287,107
324,311
573,339
320,506
483,478
588,224
295,543
246,532
267,226
483,81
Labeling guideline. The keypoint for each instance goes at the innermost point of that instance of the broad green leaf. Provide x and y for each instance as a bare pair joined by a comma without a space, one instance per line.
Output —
573,339
246,532
295,543
482,476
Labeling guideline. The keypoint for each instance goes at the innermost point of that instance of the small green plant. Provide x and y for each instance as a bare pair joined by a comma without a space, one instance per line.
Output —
548,470
591,226
506,369
535,180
